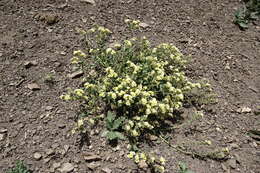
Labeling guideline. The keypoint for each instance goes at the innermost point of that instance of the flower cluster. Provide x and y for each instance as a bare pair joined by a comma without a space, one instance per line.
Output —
78,55
148,86
133,24
156,163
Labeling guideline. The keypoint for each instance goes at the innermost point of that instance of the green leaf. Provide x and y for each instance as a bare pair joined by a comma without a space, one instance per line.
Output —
134,147
110,125
254,15
111,135
120,135
110,120
19,168
255,132
110,116
183,166
117,123
188,171
104,133
243,25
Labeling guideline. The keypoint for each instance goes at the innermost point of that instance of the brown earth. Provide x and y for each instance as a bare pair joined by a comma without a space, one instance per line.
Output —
37,39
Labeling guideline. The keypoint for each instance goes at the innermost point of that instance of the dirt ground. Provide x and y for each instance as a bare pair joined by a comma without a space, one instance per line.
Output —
37,39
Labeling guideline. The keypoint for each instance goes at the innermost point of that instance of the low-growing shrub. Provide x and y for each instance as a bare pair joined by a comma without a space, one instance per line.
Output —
136,85
19,168
251,11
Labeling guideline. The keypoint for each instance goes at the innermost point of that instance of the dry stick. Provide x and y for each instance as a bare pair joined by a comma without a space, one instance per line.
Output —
177,148
211,155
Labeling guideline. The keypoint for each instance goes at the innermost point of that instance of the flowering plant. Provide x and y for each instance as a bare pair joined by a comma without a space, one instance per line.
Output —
144,84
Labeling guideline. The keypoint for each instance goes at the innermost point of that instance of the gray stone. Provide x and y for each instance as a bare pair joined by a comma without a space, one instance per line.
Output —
244,110
91,157
48,108
3,130
37,156
106,170
76,74
234,146
33,86
28,64
63,53
93,165
66,167
61,126
144,25
89,1
66,148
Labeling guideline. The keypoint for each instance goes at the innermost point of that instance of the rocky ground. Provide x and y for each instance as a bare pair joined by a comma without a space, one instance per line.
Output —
37,39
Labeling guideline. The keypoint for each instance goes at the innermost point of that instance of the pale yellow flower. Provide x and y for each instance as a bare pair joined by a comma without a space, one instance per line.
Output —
128,43
113,95
131,123
162,160
80,123
137,158
131,155
127,20
127,127
79,92
143,156
135,133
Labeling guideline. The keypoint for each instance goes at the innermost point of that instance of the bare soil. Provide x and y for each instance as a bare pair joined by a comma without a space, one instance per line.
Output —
37,39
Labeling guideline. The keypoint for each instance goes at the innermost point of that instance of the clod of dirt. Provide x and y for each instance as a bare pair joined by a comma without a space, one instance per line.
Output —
28,64
61,126
46,160
153,137
48,108
238,159
106,170
33,86
66,167
224,167
48,18
2,137
56,165
232,163
185,40
89,1
142,164
91,157
49,152
75,74
234,146
37,156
